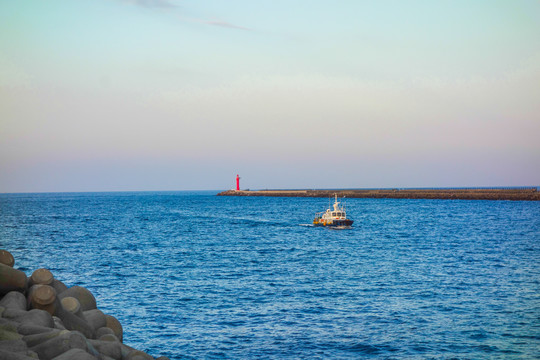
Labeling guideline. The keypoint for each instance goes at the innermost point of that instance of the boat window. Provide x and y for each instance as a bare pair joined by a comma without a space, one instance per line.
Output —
333,214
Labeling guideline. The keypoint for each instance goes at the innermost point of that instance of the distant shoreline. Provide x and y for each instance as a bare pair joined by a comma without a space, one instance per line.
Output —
525,193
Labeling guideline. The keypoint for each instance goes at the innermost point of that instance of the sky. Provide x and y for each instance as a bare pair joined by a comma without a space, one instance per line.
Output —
132,95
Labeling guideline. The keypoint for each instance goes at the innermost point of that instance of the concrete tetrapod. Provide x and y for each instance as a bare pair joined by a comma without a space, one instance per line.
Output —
29,329
95,318
6,258
114,324
14,300
45,277
11,279
58,324
109,337
59,286
60,344
8,355
85,297
72,305
105,331
75,354
36,339
42,297
108,348
8,333
73,322
32,317
16,346
41,277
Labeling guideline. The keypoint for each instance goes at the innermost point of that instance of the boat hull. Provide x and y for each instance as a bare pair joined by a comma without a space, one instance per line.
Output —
333,223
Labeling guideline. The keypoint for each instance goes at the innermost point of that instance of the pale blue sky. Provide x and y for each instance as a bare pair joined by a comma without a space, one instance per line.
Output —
173,95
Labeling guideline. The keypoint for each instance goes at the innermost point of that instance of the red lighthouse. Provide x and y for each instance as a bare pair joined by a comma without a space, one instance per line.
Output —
237,182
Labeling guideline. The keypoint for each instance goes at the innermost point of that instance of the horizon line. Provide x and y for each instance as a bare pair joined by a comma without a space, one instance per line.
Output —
535,187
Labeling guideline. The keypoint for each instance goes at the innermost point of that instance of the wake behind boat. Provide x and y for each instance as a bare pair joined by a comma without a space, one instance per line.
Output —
335,217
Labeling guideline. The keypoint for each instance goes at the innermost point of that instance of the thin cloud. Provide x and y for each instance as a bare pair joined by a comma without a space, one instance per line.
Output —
219,23
159,4
224,24
166,4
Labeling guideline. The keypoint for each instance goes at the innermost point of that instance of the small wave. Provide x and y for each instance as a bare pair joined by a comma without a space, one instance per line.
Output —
369,349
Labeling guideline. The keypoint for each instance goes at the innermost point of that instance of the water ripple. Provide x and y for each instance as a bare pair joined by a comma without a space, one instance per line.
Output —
192,275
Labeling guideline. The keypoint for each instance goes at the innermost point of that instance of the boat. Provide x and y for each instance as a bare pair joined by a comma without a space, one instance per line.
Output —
336,217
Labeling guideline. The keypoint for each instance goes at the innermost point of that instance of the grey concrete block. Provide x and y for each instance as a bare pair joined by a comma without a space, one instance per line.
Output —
32,317
104,331
73,322
60,344
16,346
8,355
96,318
41,276
6,258
14,300
85,297
108,348
11,279
29,329
114,324
36,339
75,354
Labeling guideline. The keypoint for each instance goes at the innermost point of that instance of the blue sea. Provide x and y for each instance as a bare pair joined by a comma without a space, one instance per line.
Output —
191,275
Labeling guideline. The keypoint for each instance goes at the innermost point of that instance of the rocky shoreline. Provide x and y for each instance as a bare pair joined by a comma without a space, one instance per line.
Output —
42,318
528,194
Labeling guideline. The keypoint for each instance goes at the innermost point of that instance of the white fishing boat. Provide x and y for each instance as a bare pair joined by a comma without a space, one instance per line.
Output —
336,217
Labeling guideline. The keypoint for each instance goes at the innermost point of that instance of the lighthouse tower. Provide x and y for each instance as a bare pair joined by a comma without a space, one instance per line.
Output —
237,182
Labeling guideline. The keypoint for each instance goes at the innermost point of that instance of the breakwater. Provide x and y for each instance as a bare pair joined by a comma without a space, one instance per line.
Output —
42,318
526,193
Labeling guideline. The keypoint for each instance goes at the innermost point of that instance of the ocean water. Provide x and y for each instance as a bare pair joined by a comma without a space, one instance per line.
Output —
191,275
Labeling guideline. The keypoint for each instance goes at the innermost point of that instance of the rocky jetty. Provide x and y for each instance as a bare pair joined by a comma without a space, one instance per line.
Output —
528,193
42,318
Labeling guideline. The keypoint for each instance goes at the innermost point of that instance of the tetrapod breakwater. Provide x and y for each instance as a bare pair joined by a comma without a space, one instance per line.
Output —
42,318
